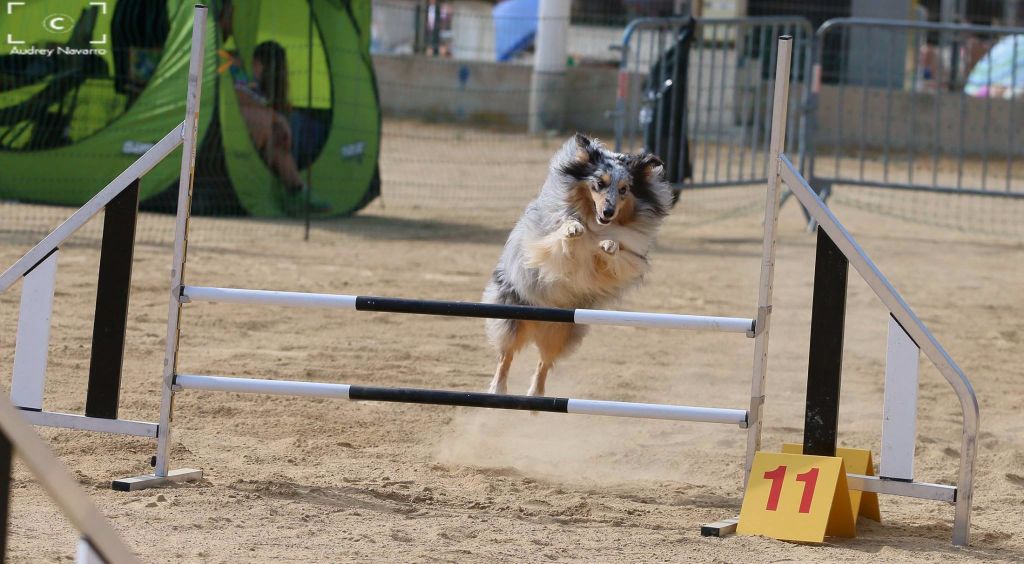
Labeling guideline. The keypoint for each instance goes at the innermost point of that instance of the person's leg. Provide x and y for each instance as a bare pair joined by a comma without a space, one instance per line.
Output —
279,153
280,159
283,164
257,120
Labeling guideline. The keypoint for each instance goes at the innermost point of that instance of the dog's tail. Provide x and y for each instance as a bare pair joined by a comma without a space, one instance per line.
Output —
502,332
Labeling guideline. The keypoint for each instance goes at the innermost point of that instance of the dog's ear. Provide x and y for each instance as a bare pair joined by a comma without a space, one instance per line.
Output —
585,148
578,157
651,161
648,164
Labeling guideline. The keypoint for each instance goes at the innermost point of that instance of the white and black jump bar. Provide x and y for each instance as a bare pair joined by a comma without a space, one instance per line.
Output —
469,309
463,399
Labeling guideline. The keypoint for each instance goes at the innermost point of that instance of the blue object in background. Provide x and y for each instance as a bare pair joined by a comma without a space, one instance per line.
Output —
515,25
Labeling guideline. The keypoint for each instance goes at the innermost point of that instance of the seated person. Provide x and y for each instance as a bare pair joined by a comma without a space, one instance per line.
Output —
263,101
1000,72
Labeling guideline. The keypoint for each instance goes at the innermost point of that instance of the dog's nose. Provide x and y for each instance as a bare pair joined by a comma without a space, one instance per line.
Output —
608,213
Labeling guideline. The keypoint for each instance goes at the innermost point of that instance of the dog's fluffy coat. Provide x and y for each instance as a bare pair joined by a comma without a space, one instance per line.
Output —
580,244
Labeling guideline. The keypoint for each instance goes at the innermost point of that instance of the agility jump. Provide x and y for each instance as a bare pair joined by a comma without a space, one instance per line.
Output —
38,268
119,199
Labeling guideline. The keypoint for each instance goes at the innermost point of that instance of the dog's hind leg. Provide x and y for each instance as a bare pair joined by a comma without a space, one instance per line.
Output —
508,336
540,377
499,385
553,341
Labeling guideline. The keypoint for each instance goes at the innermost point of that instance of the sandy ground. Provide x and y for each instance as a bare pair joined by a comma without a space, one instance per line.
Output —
292,479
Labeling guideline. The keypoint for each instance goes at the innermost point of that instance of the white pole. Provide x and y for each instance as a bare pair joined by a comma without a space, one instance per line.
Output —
185,179
663,320
658,411
899,406
32,345
548,82
269,297
771,222
260,386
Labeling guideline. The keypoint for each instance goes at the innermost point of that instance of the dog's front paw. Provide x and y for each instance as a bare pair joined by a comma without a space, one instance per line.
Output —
572,229
609,246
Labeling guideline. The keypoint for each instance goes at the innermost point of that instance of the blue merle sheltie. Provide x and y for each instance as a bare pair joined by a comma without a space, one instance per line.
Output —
581,243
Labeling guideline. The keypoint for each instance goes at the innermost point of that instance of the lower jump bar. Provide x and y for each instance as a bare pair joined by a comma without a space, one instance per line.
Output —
470,309
465,399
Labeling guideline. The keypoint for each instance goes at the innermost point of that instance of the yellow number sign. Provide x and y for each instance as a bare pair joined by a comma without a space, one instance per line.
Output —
857,461
796,497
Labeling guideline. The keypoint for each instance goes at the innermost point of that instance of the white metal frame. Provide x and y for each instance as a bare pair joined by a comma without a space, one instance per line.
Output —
190,130
98,538
782,168
771,222
38,266
920,334
907,334
26,388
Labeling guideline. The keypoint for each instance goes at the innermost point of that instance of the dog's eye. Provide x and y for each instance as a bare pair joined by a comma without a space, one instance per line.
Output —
623,190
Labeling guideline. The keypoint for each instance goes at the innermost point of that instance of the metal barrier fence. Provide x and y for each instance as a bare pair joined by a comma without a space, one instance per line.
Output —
459,143
918,106
706,112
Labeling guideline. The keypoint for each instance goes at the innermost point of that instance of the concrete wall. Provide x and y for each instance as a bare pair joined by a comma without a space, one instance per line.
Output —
472,31
487,93
902,113
498,94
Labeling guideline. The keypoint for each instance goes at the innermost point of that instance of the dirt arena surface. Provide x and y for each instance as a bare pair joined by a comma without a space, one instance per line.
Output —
298,479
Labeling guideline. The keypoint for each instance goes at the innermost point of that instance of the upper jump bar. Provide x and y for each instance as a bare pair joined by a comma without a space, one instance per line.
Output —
470,309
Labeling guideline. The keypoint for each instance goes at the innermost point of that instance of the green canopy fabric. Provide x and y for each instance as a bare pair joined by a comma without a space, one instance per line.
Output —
335,116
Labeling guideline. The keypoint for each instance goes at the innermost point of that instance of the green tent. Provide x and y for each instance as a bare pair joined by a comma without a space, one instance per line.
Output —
87,86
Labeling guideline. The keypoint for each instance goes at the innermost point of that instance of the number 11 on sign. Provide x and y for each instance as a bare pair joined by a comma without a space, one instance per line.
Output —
796,497
777,476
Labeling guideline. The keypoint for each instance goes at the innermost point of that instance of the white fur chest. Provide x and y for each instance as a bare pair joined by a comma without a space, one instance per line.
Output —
583,266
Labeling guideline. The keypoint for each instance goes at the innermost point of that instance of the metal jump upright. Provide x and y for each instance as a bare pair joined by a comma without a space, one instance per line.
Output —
180,293
908,336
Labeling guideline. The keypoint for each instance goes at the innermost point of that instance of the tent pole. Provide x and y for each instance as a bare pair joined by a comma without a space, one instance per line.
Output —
309,108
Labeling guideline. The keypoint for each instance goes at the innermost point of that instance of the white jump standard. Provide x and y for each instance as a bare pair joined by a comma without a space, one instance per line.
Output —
38,269
837,250
36,323
181,293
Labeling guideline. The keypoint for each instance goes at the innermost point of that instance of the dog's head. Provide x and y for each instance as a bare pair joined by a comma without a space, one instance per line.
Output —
606,184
